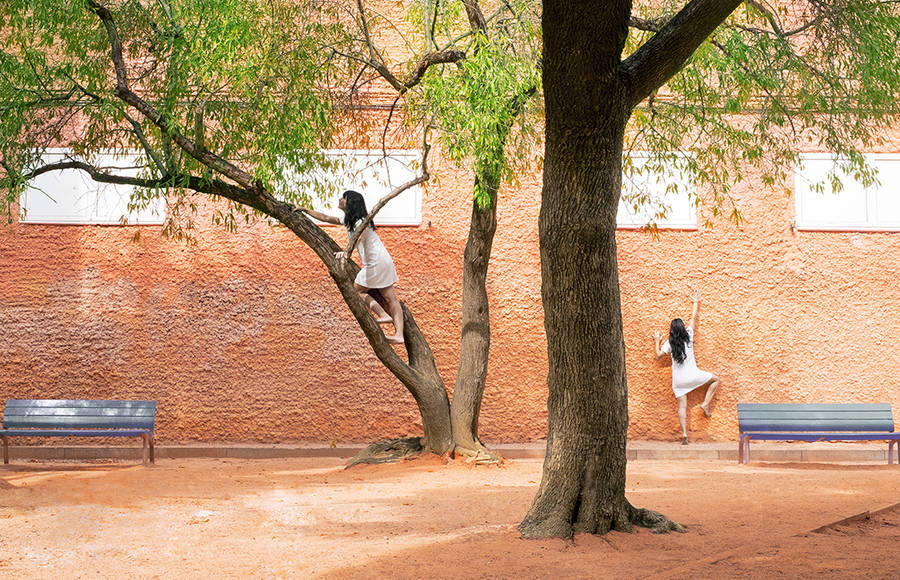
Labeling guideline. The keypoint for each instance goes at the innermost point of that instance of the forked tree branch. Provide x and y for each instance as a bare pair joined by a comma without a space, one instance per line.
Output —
377,63
666,52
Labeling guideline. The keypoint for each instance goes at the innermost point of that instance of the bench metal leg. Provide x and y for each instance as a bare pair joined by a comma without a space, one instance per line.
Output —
744,450
891,452
144,454
148,449
5,449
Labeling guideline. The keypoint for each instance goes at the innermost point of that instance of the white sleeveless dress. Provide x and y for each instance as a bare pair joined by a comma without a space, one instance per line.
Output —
378,269
686,376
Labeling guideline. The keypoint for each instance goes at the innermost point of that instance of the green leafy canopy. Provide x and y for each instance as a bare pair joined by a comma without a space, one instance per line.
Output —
773,80
244,79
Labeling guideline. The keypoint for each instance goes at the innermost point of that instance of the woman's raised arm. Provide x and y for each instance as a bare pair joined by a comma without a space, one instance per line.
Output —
695,310
657,338
321,216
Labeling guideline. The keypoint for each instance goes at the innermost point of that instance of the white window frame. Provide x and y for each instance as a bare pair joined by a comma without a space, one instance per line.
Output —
89,213
627,220
872,223
400,160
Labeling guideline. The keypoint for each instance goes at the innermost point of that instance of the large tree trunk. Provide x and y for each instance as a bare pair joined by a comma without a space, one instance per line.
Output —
475,343
583,484
583,487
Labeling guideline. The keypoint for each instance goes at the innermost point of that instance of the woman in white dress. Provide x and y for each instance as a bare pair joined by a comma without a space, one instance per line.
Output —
685,375
378,272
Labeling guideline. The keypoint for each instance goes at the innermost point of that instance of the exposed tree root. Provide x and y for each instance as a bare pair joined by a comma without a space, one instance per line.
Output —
622,520
480,455
655,521
546,528
388,451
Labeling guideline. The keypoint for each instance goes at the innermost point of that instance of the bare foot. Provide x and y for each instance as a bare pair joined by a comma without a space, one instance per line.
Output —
395,339
705,409
384,320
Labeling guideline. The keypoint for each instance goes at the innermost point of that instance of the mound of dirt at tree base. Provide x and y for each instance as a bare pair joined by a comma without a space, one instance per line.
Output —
311,518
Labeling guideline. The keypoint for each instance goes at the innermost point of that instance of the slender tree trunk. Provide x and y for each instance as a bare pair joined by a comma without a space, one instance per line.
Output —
583,483
475,343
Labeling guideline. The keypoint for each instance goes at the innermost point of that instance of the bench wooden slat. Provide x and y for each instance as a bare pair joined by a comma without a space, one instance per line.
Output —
815,425
79,422
79,412
847,407
798,436
85,403
75,432
814,413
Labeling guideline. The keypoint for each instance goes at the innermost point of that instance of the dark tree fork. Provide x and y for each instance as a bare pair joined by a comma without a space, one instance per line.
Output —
589,94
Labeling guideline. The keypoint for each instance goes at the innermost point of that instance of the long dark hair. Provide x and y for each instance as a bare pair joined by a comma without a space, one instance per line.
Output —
678,340
354,209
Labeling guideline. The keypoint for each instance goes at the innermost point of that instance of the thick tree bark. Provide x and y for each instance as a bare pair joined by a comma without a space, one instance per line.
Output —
583,485
475,343
587,107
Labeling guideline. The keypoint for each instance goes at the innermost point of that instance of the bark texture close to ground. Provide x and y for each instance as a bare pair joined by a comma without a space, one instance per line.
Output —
588,101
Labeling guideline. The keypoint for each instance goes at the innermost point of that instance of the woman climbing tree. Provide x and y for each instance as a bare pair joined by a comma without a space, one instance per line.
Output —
378,274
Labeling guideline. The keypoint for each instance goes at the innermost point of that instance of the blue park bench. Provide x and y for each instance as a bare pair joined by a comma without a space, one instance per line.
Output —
816,422
78,418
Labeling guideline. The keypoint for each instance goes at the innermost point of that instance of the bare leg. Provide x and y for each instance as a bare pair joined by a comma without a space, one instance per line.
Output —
682,417
380,315
396,314
712,385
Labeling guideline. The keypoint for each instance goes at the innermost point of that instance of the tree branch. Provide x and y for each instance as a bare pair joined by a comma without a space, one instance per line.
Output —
442,57
139,133
646,24
666,52
365,27
773,21
123,91
377,63
475,15
96,174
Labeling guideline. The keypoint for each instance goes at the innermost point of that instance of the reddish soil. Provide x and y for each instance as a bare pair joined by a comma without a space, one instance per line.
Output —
308,518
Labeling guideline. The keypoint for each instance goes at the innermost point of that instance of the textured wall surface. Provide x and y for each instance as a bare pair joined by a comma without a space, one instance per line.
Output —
243,337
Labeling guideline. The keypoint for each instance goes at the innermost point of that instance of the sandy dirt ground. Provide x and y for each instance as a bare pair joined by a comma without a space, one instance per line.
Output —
310,518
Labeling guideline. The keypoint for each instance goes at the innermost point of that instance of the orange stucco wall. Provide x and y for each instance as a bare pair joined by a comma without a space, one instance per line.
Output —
243,337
